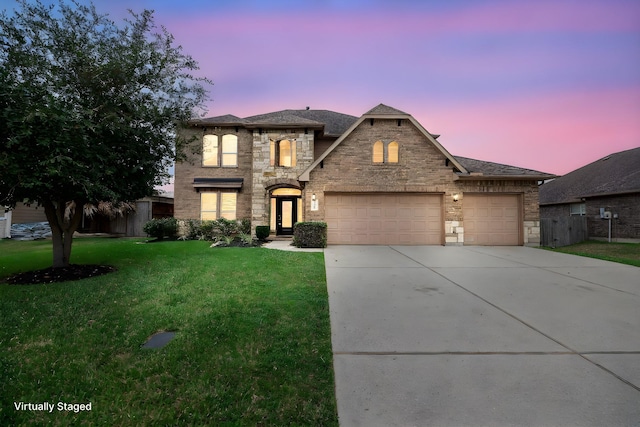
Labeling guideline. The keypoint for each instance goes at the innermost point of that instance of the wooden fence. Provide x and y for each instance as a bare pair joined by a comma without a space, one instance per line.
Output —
563,231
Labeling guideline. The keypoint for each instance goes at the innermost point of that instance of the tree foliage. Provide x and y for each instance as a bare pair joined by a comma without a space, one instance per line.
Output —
89,110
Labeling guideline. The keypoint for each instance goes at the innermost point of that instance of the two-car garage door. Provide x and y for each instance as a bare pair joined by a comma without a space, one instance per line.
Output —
416,219
384,219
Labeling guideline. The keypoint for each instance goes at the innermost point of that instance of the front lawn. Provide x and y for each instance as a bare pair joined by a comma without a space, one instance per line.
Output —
252,344
625,253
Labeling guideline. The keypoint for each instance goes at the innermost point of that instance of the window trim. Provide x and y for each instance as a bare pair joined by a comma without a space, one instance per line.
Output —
219,156
218,212
276,149
397,152
581,211
386,153
216,157
378,151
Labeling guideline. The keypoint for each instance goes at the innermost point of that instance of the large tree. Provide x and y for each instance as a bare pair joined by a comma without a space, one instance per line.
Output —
89,110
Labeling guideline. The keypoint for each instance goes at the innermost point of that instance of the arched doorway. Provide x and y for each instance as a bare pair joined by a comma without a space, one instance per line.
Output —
286,210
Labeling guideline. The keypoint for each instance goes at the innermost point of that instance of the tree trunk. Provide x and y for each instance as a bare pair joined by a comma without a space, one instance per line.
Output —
63,224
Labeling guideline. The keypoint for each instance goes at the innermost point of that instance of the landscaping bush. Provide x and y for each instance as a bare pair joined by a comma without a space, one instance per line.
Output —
310,234
189,229
262,232
245,226
217,230
161,228
223,227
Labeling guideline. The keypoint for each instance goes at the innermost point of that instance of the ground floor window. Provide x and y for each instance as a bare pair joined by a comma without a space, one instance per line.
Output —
214,205
578,209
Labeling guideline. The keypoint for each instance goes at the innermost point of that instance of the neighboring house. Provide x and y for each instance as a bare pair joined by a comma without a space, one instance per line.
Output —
381,178
608,187
128,224
24,213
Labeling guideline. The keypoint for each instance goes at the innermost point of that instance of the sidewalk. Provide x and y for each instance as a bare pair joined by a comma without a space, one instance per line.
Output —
284,244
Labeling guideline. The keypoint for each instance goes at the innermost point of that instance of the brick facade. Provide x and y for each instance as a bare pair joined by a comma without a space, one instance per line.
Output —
627,223
187,198
625,227
422,167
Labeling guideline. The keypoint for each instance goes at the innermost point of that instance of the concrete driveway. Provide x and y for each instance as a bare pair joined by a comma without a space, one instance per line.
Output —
483,336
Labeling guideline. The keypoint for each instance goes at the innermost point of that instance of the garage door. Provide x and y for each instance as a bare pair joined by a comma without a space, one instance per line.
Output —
384,219
491,219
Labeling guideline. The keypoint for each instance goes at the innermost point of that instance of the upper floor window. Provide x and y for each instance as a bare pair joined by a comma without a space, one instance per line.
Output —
229,150
214,155
385,154
392,150
283,153
378,152
210,150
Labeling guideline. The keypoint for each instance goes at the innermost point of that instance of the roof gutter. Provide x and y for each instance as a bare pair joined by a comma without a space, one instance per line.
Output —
481,177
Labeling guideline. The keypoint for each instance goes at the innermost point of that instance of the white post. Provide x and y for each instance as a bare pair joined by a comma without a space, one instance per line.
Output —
609,228
6,225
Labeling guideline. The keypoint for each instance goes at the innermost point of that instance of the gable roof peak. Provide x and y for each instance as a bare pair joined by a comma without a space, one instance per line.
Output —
384,109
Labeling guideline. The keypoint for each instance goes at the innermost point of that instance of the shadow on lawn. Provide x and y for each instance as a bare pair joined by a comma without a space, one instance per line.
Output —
59,274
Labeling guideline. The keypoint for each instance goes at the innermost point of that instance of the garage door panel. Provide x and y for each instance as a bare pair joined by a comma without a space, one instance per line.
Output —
491,219
386,219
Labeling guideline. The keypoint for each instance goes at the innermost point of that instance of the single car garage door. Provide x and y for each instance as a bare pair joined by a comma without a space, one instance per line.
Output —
492,219
384,219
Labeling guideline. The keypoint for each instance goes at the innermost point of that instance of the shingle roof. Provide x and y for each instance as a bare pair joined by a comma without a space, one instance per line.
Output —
335,124
491,169
384,109
227,119
613,174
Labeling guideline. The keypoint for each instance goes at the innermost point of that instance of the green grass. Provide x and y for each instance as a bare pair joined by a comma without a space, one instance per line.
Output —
253,342
624,253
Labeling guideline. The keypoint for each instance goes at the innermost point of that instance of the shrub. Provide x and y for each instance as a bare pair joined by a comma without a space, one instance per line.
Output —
161,227
225,227
206,230
245,238
194,229
245,226
189,229
310,234
262,232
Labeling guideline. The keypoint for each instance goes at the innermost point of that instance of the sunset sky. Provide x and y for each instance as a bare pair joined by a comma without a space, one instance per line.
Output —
546,85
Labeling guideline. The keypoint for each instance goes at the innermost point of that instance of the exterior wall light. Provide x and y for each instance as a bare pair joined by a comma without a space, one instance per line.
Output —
456,197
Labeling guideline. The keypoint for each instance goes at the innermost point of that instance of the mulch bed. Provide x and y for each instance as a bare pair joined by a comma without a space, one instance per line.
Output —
59,274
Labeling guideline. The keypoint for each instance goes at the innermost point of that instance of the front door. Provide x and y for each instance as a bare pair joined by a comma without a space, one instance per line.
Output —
286,214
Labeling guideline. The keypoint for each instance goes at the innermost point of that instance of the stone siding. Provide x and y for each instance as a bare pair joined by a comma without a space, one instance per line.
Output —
266,177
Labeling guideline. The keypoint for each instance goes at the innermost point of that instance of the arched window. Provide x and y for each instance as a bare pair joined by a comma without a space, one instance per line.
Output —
229,150
210,150
214,154
392,152
378,152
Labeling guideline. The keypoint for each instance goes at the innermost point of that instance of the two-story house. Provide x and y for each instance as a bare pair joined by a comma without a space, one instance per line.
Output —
381,178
